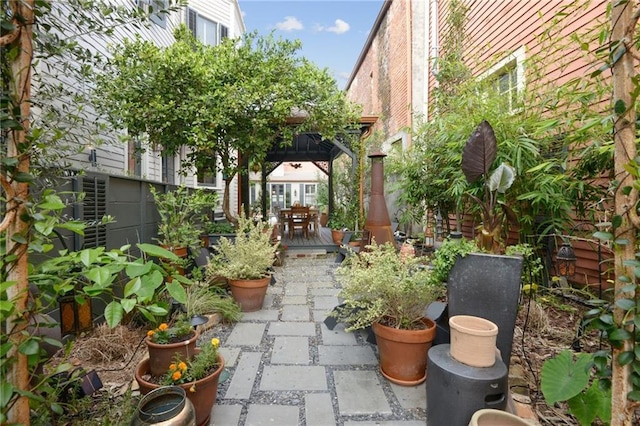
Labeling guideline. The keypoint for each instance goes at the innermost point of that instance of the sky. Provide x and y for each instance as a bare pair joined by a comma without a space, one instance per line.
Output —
332,32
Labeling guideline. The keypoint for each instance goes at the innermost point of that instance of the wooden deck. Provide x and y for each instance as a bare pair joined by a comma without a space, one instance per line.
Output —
321,242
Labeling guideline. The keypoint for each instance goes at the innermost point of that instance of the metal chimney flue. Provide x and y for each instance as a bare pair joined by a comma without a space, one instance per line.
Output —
378,222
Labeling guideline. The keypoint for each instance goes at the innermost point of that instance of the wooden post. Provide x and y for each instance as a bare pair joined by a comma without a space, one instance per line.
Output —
622,27
21,38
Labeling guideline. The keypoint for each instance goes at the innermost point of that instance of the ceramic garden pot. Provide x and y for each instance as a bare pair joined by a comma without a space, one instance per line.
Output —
161,355
250,293
337,235
491,417
403,353
202,393
473,340
165,406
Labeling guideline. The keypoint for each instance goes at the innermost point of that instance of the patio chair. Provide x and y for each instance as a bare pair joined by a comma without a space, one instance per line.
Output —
299,219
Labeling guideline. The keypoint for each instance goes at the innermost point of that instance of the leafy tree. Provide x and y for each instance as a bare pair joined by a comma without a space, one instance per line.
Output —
41,47
227,103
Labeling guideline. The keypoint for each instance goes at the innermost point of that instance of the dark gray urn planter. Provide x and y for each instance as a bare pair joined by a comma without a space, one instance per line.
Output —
487,286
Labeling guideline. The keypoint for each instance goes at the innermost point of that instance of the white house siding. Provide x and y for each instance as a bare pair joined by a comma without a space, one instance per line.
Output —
112,155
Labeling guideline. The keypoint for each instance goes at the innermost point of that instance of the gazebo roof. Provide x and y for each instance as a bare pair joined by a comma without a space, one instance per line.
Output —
312,147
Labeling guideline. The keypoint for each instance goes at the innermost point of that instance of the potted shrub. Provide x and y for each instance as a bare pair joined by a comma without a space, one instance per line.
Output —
214,230
245,262
198,374
165,342
181,213
338,224
389,292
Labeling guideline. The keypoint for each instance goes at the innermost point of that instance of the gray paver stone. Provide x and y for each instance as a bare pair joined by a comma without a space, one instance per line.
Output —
295,378
295,300
325,302
411,397
261,315
337,336
346,355
318,409
351,386
282,328
246,334
290,350
272,415
295,313
244,376
224,415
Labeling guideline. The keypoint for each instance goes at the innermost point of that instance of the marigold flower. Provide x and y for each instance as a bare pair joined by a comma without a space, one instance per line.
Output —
150,333
192,388
215,342
176,376
163,327
182,366
172,367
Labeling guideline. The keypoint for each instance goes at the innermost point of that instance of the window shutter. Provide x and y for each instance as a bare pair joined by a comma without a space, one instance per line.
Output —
94,208
192,16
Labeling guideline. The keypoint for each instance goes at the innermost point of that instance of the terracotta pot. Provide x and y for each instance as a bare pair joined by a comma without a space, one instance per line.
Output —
337,236
165,406
490,417
403,353
161,355
324,218
204,396
473,340
250,293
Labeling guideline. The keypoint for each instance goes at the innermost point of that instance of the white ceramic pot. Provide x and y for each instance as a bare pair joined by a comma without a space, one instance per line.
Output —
473,340
490,417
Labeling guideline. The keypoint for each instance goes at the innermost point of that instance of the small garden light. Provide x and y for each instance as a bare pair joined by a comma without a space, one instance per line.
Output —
566,260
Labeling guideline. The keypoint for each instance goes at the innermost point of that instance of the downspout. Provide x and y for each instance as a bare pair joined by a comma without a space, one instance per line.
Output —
434,40
432,48
409,27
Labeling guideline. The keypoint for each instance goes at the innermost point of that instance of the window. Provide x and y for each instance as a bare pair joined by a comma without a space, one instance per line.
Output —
208,175
508,77
207,31
135,157
168,169
507,85
152,7
310,194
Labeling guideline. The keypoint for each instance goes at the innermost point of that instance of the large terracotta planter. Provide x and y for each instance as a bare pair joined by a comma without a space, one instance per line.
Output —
403,353
490,417
203,397
473,340
250,293
337,235
161,355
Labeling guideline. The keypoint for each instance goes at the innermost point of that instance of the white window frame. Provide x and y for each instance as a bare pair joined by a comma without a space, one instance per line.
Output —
193,26
514,61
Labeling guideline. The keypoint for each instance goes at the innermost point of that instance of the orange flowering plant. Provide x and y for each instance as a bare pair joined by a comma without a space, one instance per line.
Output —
163,334
200,366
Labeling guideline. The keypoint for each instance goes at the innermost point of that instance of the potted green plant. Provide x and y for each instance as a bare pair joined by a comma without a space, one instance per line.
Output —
213,230
181,213
164,342
198,374
338,223
245,262
390,292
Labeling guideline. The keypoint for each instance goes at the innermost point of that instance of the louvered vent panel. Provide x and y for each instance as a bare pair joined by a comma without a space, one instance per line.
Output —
95,207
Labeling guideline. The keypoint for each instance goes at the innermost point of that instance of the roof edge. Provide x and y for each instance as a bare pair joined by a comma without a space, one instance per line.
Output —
372,35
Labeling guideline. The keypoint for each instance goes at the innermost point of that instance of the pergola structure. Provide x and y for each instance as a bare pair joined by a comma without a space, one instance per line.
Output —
308,147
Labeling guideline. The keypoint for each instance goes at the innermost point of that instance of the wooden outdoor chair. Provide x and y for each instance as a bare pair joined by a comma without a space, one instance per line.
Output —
299,219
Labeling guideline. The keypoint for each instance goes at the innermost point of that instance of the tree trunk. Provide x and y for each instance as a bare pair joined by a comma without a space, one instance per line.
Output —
625,150
17,147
